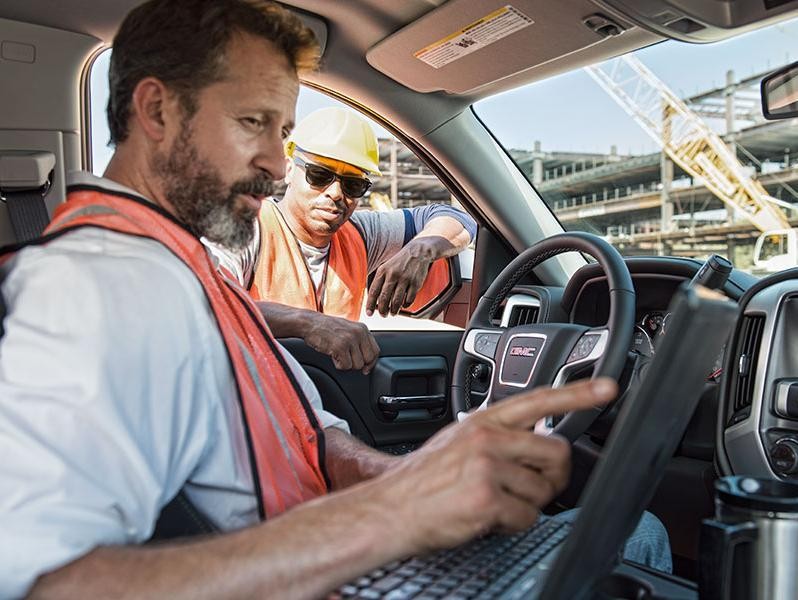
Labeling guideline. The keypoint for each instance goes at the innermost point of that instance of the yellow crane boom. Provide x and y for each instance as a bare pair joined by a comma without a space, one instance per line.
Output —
687,139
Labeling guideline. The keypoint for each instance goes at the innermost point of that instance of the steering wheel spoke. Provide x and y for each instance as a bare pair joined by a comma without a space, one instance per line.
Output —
587,350
482,343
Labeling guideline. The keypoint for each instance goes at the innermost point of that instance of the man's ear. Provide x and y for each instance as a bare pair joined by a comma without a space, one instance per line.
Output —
153,107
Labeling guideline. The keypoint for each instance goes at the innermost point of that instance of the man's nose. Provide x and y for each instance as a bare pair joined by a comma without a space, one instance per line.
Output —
334,190
271,156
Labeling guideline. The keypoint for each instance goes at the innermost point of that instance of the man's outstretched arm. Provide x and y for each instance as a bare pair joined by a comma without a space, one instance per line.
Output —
431,232
489,472
349,344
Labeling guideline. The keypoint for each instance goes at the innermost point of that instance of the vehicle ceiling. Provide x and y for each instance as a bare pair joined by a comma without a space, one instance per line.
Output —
355,26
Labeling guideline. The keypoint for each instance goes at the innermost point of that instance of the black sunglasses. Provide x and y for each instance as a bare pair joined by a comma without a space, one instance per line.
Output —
320,177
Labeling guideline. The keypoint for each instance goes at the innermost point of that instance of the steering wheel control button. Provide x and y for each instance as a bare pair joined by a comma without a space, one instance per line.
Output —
584,347
784,456
786,404
750,485
485,344
520,358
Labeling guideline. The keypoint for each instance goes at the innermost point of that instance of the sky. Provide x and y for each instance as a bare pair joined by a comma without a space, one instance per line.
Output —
569,112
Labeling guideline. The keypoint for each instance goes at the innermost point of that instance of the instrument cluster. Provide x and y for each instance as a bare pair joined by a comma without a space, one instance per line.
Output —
653,325
650,328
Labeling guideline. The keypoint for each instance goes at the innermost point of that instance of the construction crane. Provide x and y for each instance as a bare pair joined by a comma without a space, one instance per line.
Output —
688,140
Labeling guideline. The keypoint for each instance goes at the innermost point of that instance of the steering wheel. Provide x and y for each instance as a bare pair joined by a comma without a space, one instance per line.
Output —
528,356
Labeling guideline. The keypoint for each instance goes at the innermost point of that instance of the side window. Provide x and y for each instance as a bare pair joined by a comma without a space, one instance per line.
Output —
407,183
98,122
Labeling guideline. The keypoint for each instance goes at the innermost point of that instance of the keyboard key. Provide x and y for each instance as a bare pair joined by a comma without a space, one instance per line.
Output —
399,594
386,584
449,581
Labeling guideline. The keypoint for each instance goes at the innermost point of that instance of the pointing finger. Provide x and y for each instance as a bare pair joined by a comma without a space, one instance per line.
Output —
524,410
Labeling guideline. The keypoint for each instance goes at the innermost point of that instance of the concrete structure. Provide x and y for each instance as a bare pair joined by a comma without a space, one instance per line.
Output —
644,204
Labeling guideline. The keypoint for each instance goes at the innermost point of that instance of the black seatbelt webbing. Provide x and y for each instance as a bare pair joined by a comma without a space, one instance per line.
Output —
2,314
179,519
28,213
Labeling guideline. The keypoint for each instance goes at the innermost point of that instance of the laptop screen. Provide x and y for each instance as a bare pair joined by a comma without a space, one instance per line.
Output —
646,434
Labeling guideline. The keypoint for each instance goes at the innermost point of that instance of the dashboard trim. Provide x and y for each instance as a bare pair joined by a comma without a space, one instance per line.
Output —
745,443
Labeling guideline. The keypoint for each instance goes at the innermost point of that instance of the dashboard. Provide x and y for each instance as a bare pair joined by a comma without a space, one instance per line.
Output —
654,292
754,404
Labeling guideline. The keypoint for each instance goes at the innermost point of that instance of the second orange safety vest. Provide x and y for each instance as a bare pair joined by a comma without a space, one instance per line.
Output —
285,440
281,273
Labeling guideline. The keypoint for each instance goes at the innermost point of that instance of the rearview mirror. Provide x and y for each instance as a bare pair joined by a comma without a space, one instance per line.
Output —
780,93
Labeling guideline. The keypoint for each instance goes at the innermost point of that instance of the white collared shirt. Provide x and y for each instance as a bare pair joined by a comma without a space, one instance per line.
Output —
115,392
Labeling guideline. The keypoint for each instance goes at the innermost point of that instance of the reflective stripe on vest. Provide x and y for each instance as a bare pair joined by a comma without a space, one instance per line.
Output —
286,441
281,273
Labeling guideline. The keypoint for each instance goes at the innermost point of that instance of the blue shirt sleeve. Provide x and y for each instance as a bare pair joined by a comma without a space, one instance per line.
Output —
417,218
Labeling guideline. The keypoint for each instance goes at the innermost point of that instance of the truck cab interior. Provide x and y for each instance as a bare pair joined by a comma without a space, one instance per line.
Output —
417,68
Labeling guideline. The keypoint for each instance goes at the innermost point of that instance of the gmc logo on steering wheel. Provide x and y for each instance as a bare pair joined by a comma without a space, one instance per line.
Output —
523,351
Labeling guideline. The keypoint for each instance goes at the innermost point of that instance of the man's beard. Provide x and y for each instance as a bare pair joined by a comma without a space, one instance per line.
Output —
200,198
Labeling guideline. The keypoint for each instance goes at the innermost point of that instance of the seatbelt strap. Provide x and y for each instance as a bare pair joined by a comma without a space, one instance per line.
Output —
180,519
28,213
2,314
25,179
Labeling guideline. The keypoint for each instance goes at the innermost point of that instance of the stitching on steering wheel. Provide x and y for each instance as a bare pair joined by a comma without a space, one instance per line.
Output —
522,272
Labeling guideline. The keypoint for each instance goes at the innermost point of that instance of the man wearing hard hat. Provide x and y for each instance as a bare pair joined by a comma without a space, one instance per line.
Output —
313,251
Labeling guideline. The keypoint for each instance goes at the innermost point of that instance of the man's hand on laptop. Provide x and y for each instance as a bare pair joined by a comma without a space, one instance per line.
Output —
489,473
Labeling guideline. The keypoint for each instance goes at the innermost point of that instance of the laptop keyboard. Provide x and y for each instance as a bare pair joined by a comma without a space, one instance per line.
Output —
484,568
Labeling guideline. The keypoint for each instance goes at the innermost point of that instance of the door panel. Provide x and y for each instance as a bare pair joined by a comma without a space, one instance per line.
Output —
415,364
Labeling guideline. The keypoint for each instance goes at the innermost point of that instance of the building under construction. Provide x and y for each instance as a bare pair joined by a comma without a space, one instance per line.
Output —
660,203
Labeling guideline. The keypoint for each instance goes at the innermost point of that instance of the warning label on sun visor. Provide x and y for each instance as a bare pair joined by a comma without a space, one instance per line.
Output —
491,28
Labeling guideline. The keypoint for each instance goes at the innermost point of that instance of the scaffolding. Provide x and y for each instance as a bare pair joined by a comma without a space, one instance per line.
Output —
687,140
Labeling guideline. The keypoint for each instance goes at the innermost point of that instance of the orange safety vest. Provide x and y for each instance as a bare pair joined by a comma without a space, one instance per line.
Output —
286,443
281,273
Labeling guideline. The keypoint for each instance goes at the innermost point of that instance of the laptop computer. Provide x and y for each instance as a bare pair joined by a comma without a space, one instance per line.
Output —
555,560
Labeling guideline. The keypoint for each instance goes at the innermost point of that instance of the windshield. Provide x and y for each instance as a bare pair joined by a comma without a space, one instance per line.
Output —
664,151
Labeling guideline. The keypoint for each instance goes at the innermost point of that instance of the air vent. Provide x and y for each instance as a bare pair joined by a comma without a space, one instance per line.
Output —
523,315
745,365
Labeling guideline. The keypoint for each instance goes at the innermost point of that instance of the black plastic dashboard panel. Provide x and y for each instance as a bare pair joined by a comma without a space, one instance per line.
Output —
684,268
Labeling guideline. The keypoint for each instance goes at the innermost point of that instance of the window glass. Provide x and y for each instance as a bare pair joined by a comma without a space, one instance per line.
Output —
658,157
405,182
98,99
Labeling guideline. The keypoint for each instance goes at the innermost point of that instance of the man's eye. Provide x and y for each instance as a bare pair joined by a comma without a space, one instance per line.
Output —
251,122
285,133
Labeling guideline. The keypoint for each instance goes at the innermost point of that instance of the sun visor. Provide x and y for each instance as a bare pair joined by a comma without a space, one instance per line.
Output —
464,45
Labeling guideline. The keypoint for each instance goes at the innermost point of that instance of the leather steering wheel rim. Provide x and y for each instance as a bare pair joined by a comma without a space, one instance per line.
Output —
620,324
